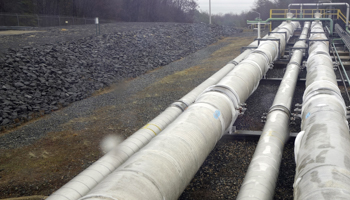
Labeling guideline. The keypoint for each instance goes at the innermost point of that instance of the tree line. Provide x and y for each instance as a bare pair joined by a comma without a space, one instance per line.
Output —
118,10
146,10
261,6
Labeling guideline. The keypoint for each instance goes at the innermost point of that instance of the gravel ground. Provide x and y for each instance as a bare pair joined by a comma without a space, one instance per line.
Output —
50,35
126,107
68,140
36,130
38,79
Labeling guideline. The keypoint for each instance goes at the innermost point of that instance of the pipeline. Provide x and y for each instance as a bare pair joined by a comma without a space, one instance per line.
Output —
89,178
164,167
261,177
322,148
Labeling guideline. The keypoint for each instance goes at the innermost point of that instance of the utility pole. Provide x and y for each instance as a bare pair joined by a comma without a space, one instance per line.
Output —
209,11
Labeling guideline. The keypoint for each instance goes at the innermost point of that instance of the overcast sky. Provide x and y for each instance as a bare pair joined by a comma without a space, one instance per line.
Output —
225,6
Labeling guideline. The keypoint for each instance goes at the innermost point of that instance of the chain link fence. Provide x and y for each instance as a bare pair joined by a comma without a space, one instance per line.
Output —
12,19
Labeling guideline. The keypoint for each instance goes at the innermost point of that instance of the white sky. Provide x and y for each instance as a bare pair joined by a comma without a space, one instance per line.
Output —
225,6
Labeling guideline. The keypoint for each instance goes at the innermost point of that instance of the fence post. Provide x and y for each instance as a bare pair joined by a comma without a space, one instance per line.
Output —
37,16
59,21
85,20
73,21
17,19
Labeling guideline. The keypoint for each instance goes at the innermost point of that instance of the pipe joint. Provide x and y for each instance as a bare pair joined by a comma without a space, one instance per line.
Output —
327,91
269,60
231,94
279,108
295,63
179,104
233,62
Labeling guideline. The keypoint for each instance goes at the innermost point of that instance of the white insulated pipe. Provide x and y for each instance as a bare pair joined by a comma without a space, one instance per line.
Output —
164,167
322,148
90,177
260,179
324,4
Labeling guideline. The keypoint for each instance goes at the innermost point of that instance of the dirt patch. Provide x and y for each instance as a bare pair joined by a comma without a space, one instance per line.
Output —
13,32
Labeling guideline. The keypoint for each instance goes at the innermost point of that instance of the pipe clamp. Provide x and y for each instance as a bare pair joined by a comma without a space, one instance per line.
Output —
179,104
232,95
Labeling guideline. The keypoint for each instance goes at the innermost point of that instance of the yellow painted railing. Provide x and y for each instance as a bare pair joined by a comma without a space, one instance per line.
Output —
307,13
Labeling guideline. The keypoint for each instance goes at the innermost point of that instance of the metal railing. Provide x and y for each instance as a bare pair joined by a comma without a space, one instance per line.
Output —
307,13
13,19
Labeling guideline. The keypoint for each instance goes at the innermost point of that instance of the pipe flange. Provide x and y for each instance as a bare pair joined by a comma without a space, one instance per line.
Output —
280,108
179,104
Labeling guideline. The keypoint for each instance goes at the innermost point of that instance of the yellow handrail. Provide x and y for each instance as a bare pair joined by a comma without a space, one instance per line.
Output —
342,17
282,13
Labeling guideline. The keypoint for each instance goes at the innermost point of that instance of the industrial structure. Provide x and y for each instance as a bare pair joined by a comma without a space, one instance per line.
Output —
159,160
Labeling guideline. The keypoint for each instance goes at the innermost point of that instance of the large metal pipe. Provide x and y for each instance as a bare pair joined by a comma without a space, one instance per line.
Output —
324,4
322,148
89,178
164,167
261,177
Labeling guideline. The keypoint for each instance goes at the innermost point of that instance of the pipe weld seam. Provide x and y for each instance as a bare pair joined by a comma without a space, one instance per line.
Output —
294,63
102,196
319,91
320,53
253,63
280,108
214,109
